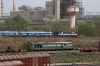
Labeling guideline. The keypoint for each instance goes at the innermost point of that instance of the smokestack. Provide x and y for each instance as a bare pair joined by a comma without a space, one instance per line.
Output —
14,7
2,8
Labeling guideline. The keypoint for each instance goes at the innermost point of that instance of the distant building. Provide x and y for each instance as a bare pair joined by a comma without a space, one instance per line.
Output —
36,16
3,19
53,9
30,14
58,8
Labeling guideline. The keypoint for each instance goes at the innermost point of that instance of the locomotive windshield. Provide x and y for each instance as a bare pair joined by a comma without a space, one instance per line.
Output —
60,33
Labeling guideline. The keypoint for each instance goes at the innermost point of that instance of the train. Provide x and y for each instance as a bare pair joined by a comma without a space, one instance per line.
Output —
49,46
52,46
37,34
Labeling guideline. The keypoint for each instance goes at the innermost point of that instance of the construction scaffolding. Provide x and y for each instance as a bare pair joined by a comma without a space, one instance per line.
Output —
64,4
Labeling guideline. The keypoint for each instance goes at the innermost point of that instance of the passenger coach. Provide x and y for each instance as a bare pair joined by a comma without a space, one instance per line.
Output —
25,34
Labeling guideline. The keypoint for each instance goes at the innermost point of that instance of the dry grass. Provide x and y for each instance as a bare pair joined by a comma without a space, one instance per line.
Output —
18,41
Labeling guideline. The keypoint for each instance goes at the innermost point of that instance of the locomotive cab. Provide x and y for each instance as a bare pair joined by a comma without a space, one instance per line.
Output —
37,45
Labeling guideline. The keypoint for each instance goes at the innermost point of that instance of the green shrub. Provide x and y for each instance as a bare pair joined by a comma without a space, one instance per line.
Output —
86,30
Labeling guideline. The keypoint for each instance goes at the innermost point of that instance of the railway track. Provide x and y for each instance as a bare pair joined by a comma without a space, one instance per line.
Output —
67,54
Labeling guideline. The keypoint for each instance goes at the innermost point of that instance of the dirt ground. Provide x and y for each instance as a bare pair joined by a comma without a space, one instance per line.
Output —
16,42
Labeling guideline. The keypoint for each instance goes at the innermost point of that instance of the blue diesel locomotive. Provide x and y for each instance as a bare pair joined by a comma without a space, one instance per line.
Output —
65,34
52,46
37,34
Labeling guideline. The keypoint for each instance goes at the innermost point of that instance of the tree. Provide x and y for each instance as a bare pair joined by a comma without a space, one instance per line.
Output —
2,27
57,27
17,24
86,30
78,23
27,46
96,24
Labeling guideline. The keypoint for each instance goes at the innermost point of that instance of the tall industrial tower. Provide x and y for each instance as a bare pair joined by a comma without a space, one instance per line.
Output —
2,8
14,7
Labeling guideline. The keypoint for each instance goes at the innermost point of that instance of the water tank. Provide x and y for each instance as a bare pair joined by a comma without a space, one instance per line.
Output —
72,10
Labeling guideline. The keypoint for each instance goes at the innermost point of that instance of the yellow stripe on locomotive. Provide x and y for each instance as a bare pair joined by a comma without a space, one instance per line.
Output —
69,45
52,44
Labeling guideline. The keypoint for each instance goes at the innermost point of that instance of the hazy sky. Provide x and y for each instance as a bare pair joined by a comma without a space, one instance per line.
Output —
89,5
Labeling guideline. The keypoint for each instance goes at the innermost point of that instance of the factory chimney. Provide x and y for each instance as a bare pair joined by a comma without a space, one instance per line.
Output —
2,8
14,7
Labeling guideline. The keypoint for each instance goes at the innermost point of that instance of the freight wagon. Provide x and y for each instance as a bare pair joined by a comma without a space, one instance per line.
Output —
52,46
27,60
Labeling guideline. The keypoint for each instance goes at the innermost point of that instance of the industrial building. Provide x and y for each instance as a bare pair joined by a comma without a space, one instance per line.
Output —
4,16
55,9
27,12
58,8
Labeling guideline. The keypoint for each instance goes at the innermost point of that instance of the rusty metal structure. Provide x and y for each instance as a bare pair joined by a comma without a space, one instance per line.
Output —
89,48
28,60
11,63
64,4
